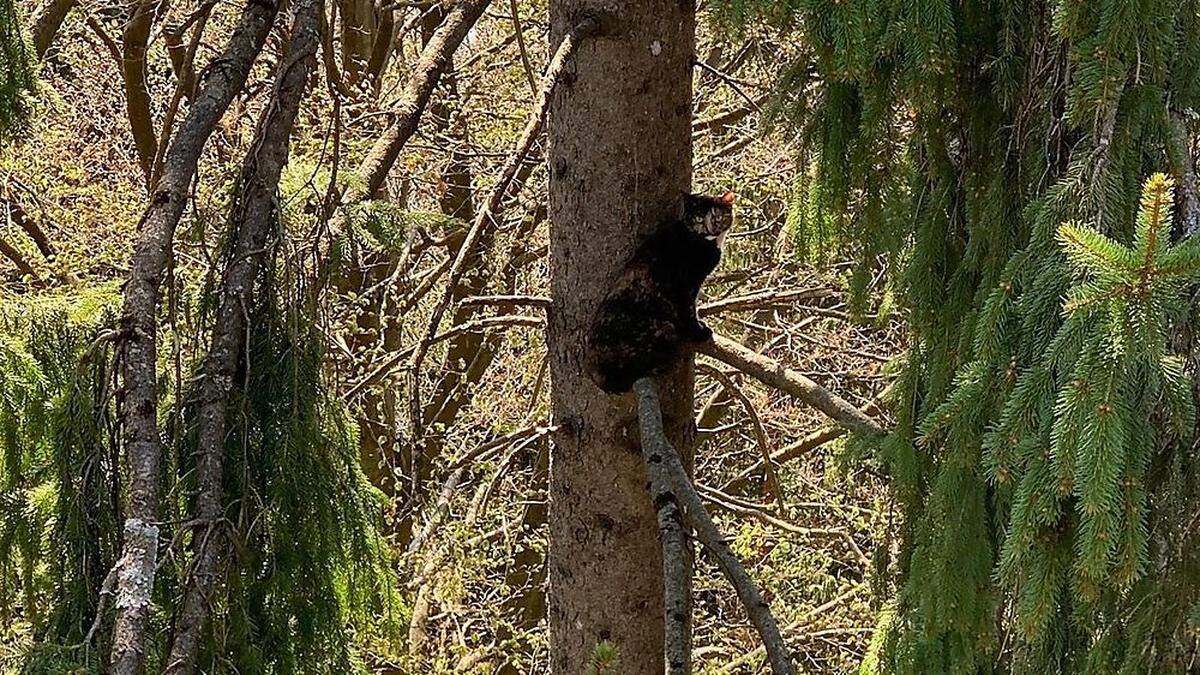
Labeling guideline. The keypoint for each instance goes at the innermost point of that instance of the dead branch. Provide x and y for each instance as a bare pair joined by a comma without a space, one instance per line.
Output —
508,300
775,374
725,119
786,454
9,251
763,299
17,214
677,567
390,366
663,462
760,433
435,58
488,218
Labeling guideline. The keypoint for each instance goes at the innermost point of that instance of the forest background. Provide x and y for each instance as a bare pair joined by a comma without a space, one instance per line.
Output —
969,221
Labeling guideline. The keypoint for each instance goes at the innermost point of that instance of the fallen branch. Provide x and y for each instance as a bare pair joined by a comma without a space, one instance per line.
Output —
775,374
663,464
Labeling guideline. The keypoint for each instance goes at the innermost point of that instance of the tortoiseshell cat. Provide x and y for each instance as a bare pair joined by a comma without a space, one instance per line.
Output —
647,320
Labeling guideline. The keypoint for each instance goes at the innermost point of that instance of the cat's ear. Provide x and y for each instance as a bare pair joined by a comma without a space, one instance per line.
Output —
726,198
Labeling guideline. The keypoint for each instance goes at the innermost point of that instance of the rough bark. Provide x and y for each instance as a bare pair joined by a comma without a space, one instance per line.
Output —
139,321
620,159
253,216
46,26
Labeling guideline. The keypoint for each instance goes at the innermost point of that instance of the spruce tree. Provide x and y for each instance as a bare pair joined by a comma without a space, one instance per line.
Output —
993,154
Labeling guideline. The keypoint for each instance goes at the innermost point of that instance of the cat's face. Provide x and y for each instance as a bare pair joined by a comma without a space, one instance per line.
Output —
710,217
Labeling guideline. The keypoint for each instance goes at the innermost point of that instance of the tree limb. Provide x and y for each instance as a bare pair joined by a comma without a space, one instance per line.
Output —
663,463
46,26
251,216
435,58
775,374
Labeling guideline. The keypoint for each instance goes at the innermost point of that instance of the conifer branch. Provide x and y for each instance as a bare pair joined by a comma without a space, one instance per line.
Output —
664,467
251,218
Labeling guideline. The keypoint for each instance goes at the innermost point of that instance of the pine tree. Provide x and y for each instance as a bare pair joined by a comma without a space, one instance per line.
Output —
992,154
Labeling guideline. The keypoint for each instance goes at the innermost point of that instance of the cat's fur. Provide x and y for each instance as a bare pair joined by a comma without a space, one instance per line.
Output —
648,319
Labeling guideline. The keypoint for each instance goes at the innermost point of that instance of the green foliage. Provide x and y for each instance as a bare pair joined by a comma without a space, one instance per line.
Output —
1040,451
16,71
309,566
605,659
58,519
310,579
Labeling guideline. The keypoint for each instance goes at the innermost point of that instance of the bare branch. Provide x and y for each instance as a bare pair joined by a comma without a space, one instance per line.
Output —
489,217
435,58
663,463
775,374
46,26
786,454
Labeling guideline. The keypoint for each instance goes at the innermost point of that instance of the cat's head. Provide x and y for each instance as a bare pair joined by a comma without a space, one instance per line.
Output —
710,217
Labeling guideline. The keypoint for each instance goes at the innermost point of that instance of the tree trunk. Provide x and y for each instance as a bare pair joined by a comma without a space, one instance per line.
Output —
358,35
139,324
252,217
46,26
620,160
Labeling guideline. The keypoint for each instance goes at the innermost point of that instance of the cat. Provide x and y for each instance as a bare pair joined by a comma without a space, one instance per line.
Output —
647,320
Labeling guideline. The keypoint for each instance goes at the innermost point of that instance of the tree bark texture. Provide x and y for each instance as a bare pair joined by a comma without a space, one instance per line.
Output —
620,160
139,323
253,217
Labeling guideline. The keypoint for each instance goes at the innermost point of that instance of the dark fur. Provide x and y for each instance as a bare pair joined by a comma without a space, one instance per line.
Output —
647,321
